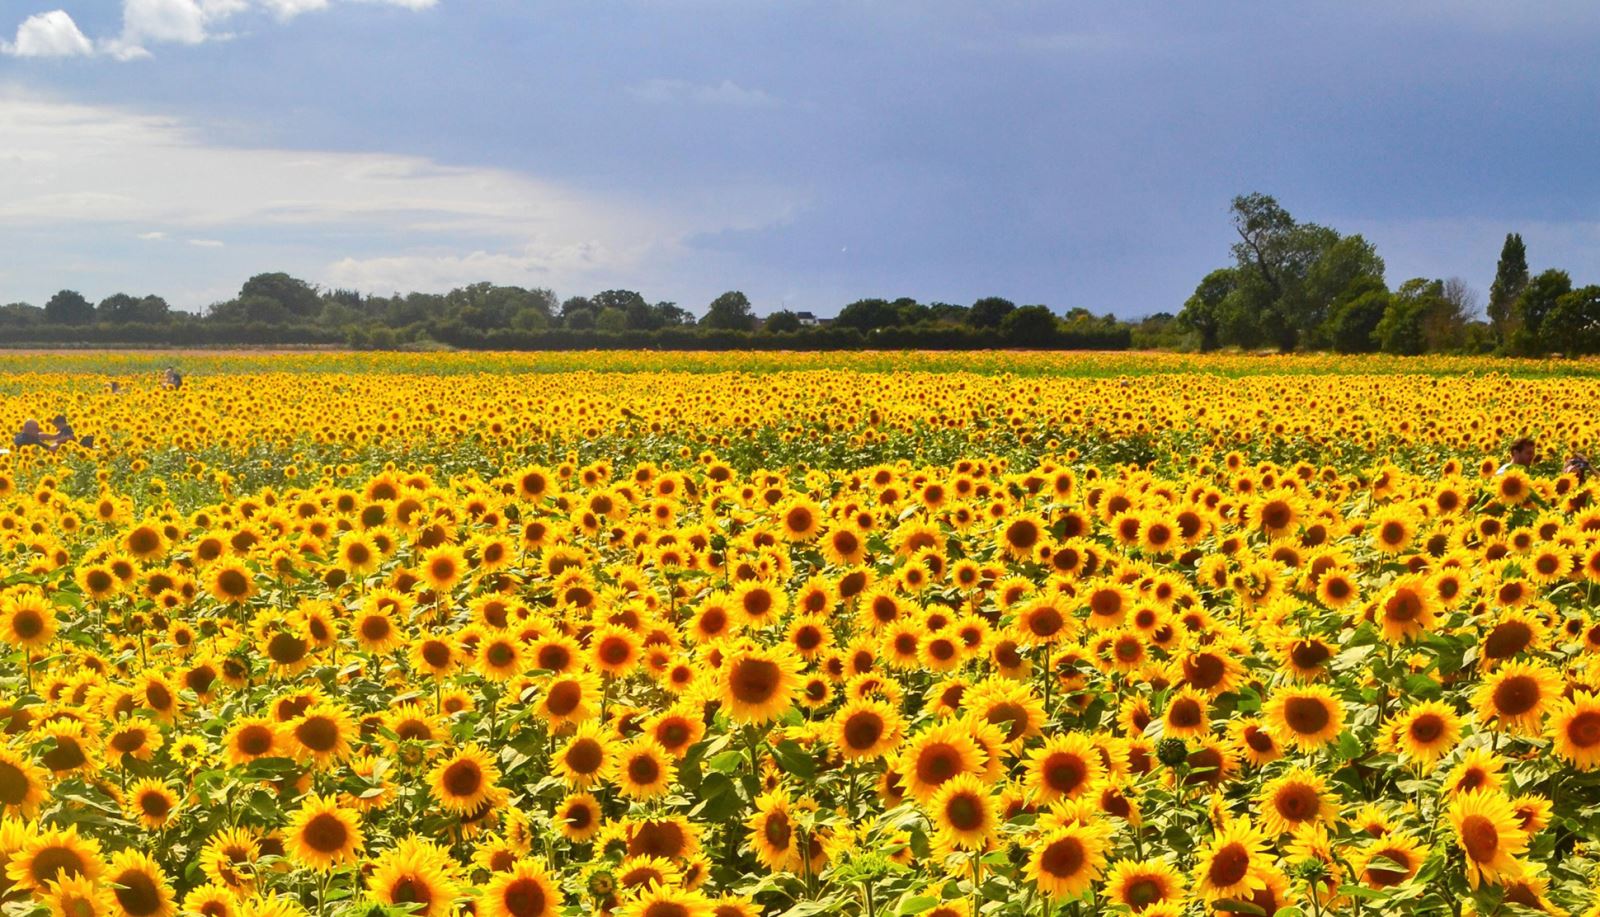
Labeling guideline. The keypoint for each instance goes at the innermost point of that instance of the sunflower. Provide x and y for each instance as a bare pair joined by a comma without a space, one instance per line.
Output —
50,854
1426,732
1478,769
1489,835
210,900
867,729
151,803
322,835
571,698
1065,767
250,738
23,783
1297,797
27,620
1258,745
464,781
525,891
415,872
1064,862
1007,705
140,887
578,817
1574,729
586,758
614,650
229,859
773,832
1516,697
963,813
230,582
1306,716
937,754
757,685
442,567
321,735
1139,884
1230,865
1187,715
644,770
374,629
500,656
1406,610
77,896
667,901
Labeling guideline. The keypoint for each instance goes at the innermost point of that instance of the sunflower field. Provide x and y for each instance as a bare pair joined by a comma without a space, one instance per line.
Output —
708,636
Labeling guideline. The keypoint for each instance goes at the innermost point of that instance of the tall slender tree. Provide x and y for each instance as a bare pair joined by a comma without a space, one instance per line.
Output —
1510,279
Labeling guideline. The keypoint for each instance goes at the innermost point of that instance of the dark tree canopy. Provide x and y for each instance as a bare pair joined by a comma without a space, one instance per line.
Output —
730,312
990,311
1510,279
68,307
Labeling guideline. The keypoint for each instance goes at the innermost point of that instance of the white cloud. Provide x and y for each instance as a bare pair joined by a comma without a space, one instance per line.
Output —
151,236
205,243
148,22
678,92
288,9
51,34
375,220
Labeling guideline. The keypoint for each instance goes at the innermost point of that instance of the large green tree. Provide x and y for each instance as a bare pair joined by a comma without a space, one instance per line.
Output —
731,312
1510,279
1536,301
68,307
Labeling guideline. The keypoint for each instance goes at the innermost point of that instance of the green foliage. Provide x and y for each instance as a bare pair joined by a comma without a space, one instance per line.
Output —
68,307
730,312
1510,279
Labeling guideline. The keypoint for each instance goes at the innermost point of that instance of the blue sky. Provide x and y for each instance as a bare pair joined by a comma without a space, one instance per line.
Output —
808,153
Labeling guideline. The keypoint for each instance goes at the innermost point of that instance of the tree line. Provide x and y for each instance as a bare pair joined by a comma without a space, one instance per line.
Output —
1296,285
1292,286
278,308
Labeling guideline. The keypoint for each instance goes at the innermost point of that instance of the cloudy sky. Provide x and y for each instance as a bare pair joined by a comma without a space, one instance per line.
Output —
808,153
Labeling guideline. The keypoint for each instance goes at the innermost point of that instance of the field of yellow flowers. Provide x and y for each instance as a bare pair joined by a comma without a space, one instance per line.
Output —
724,636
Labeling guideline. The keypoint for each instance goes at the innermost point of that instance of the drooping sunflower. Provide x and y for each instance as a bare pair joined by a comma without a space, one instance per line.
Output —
1516,697
1306,716
415,872
1489,835
322,834
525,891
1187,715
1390,861
1574,729
1140,884
464,781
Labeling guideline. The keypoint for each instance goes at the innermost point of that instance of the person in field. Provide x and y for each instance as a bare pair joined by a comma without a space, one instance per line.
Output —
1521,454
32,434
